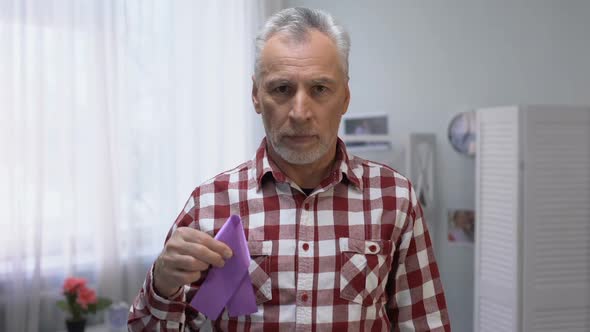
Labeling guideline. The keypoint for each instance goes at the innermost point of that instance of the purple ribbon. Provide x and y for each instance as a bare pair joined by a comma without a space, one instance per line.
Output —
229,286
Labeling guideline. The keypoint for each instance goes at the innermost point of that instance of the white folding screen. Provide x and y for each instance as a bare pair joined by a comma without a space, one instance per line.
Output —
533,201
556,234
497,260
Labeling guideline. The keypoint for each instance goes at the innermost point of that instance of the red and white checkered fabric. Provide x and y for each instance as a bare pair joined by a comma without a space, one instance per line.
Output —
354,255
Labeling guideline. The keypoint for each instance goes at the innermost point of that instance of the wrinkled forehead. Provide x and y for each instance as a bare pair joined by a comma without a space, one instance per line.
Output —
315,53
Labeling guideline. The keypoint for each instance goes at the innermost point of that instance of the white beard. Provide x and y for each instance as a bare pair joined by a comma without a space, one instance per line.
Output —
296,157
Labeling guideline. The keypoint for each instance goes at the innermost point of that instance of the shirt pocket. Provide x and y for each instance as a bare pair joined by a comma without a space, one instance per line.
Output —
259,269
364,267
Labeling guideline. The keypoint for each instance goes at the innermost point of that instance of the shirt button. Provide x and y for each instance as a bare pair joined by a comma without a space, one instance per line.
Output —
305,246
307,206
304,297
373,248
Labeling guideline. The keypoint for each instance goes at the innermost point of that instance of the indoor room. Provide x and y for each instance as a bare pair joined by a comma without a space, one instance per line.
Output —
449,190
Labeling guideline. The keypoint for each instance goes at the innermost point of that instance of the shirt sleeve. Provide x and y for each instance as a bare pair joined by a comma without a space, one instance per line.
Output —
152,312
416,301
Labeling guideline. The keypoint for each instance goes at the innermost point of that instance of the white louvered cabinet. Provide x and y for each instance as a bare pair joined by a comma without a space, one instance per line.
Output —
532,253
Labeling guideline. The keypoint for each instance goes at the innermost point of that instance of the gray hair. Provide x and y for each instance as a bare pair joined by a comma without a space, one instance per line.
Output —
296,23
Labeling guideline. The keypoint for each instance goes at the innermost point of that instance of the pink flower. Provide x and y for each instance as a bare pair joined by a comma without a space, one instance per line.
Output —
72,284
86,296
79,297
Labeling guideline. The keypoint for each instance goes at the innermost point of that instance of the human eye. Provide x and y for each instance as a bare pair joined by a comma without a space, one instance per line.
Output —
320,89
282,89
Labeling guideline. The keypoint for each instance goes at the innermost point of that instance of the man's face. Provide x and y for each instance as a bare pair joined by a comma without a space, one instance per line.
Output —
302,93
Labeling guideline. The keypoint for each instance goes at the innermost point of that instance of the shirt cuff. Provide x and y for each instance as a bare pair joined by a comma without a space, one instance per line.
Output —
171,309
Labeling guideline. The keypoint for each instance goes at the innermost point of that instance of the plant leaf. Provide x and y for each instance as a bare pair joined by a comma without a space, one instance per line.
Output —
103,303
91,308
63,305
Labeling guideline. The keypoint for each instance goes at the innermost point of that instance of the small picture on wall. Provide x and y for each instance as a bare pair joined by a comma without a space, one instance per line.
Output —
421,167
461,226
420,170
366,131
365,124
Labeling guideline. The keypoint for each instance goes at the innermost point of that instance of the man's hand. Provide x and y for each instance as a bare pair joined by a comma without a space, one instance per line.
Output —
187,253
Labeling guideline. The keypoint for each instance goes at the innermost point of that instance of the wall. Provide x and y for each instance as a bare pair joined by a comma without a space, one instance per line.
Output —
422,62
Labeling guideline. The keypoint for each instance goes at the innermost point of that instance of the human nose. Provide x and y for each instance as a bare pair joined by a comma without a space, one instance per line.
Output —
300,110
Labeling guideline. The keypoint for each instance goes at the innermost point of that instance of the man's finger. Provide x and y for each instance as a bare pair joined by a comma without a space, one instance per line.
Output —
193,235
187,263
185,277
217,246
201,252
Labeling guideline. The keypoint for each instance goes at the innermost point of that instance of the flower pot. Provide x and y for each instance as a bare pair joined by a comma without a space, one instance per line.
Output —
76,325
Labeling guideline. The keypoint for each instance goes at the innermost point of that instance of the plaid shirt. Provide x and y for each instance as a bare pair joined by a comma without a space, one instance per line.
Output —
354,255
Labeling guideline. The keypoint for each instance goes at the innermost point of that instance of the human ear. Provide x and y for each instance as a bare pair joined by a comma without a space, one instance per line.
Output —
346,98
255,100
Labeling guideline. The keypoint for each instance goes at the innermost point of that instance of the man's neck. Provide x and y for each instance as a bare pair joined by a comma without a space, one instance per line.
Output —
307,175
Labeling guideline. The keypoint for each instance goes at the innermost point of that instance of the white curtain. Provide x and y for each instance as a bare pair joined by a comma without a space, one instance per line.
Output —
111,112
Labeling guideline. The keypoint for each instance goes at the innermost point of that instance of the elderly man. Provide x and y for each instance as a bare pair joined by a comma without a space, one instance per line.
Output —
336,242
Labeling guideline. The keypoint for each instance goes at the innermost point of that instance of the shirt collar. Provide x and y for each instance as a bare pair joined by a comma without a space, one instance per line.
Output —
343,167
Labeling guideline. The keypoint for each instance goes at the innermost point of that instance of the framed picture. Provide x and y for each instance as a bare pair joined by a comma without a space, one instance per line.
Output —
420,170
365,125
366,130
461,226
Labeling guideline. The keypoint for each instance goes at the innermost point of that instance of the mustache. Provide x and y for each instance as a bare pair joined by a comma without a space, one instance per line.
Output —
297,132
